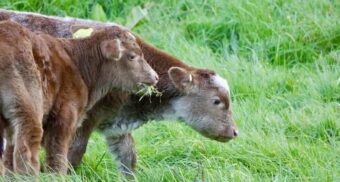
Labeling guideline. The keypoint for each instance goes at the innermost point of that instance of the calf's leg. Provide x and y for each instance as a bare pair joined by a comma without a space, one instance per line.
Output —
8,155
123,150
57,138
2,146
21,103
24,116
22,108
78,147
26,148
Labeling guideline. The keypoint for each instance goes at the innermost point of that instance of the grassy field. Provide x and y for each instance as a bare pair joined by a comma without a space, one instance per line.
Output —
282,60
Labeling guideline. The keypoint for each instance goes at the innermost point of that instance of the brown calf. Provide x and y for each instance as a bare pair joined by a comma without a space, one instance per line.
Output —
54,82
198,97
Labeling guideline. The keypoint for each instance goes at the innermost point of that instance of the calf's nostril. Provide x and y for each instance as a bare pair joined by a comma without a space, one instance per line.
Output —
235,132
156,78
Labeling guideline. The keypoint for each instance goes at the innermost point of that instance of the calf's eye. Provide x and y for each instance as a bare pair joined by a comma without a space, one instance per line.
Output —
217,102
132,57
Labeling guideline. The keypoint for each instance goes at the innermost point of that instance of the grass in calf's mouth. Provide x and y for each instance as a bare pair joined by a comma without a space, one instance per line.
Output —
147,90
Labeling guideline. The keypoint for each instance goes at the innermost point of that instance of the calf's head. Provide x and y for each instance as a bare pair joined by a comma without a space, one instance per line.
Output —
205,104
122,59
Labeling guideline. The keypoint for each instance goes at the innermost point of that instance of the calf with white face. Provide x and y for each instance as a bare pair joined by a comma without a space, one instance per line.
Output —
198,97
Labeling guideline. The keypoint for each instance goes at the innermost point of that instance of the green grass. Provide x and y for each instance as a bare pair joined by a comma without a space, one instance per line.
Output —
282,60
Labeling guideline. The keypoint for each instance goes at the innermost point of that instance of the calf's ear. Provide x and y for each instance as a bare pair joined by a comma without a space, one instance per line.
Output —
112,49
181,78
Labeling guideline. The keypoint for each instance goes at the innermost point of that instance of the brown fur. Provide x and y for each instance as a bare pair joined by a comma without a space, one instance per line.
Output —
58,80
201,93
2,145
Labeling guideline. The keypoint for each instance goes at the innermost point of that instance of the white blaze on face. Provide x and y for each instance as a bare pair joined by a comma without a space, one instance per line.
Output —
221,83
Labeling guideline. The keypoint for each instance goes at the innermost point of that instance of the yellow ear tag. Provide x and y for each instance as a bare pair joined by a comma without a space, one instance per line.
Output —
82,33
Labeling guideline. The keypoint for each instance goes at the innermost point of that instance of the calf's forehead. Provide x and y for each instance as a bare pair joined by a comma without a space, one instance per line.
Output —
219,88
221,84
132,45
